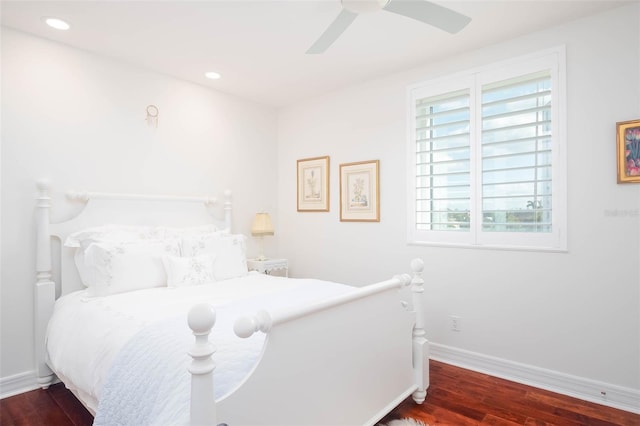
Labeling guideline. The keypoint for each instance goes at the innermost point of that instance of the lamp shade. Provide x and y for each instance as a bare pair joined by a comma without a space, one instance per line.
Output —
262,225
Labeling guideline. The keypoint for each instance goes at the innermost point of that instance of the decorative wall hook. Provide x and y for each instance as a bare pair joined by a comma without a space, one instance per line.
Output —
152,116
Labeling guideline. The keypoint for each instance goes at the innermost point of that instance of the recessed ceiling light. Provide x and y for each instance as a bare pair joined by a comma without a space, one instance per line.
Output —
212,75
57,23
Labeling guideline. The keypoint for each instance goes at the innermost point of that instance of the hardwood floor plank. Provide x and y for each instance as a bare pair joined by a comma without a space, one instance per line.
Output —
458,403
490,419
536,422
595,411
480,405
539,412
77,413
33,408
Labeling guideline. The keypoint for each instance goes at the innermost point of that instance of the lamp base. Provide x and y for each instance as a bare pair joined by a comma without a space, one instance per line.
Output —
261,257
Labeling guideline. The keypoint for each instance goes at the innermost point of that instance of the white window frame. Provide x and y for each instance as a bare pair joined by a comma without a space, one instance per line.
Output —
553,60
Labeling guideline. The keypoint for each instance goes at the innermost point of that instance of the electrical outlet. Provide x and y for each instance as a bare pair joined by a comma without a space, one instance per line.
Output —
455,323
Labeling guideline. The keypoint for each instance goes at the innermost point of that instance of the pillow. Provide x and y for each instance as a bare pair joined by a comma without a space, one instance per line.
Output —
195,244
111,268
229,249
81,240
188,231
83,271
231,262
113,233
187,271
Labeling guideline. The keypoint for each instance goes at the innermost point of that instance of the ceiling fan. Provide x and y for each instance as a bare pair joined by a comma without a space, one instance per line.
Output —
421,10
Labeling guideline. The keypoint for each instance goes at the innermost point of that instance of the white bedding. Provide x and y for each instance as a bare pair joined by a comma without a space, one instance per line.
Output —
86,335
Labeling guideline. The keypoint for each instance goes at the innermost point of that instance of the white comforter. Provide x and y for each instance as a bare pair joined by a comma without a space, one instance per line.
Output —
94,343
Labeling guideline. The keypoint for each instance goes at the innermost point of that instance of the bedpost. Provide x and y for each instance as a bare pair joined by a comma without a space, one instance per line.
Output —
420,342
201,319
227,209
45,289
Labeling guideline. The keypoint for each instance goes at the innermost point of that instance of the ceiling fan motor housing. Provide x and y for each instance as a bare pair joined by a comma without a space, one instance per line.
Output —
364,6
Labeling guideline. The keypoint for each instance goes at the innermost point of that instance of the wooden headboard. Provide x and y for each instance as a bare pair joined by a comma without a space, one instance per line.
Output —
120,209
101,209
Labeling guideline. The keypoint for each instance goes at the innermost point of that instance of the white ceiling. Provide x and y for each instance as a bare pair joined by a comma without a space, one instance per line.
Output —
259,46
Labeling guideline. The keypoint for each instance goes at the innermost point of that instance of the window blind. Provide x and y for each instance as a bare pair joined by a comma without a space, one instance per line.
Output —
516,154
443,162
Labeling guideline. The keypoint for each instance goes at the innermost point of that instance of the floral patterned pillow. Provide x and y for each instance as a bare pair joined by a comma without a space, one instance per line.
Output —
187,271
112,268
113,233
229,250
189,231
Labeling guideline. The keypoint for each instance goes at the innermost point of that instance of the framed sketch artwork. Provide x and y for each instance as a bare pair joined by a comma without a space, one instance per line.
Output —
628,138
313,184
359,192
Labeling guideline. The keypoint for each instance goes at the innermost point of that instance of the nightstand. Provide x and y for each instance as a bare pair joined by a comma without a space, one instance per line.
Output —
278,267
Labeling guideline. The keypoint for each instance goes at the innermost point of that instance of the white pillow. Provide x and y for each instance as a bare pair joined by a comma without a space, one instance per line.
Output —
113,233
187,271
84,271
112,268
231,262
188,231
106,233
196,244
229,249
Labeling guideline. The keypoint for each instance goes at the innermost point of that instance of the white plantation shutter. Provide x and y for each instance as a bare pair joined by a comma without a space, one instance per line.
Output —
487,159
516,154
443,167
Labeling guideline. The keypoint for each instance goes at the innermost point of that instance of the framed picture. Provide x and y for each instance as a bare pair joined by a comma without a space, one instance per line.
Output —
313,184
359,192
628,138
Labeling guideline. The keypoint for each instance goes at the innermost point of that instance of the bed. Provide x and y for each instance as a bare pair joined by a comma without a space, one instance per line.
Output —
204,341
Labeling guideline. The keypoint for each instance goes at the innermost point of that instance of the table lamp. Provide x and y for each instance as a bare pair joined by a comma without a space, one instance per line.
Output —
261,226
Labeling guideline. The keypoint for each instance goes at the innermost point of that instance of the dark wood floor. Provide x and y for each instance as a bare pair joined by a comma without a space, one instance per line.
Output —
462,397
456,397
55,406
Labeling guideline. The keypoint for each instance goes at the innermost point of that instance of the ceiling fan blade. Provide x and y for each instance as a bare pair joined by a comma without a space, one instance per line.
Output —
429,13
331,34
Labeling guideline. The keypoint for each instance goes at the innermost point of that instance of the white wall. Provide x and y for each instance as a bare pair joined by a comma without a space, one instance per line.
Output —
576,313
78,119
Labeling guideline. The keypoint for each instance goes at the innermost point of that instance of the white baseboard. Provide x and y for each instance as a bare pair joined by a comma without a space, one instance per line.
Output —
18,383
626,399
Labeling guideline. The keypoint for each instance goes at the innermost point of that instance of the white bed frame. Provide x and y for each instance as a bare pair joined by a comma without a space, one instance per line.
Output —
350,360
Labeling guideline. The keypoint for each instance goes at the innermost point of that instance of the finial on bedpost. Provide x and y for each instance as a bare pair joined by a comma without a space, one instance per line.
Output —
43,184
245,326
201,319
420,342
45,289
82,196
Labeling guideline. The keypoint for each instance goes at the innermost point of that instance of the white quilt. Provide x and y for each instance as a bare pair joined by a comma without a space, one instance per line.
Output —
126,356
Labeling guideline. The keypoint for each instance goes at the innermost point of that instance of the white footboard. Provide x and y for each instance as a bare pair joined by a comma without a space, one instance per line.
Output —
347,361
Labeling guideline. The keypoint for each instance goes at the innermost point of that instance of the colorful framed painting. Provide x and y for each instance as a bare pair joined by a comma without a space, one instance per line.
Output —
313,184
360,192
628,138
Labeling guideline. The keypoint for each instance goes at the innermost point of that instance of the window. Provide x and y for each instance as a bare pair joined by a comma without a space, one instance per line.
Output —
487,165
